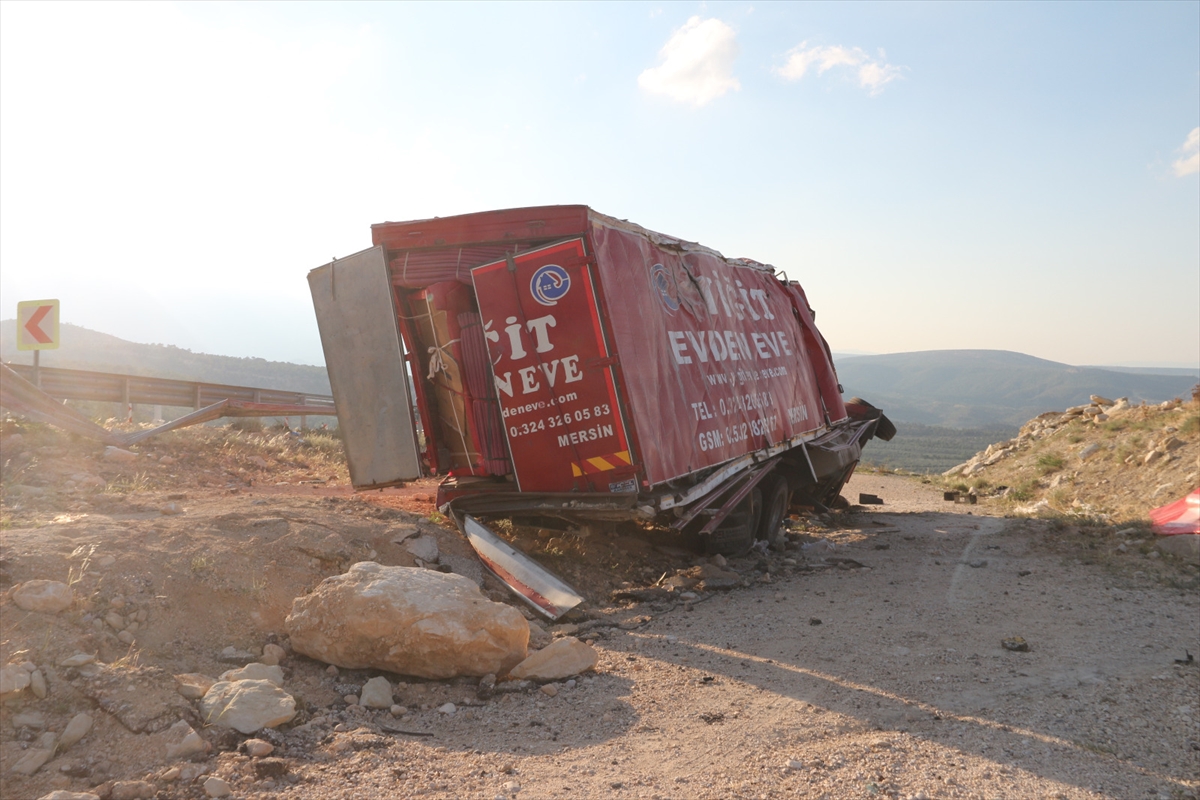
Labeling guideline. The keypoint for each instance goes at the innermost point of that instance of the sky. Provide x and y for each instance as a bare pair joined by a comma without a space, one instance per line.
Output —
1016,176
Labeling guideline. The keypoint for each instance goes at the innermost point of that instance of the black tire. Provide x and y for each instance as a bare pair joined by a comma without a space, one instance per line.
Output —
775,501
735,535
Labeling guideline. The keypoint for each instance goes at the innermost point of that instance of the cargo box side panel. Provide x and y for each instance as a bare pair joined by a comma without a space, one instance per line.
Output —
352,298
712,354
552,372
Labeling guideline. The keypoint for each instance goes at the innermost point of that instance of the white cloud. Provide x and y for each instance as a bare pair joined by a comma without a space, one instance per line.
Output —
1189,162
872,73
696,64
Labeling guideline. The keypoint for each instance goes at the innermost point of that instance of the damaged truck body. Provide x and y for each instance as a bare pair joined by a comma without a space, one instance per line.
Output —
559,366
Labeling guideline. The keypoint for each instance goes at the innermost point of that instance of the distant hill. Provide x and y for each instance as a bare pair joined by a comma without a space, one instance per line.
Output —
87,349
983,388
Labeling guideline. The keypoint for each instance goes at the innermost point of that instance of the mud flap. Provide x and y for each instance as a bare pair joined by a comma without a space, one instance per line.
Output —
528,579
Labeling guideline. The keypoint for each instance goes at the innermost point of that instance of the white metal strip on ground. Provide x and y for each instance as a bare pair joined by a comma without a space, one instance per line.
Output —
529,579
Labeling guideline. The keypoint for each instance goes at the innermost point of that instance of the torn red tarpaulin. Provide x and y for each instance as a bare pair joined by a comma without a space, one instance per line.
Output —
1182,516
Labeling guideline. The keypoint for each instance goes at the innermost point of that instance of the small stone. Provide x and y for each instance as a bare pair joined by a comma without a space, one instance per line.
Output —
257,748
37,684
565,657
77,660
118,455
376,693
1016,644
184,743
32,761
215,787
132,791
171,775
1152,456
814,621
62,794
46,597
1089,451
104,562
550,690
1101,401
511,787
126,637
331,670
350,699
272,655
193,685
115,621
170,509
794,764
255,672
447,708
13,679
424,548
79,727
231,655
397,711
29,719
978,563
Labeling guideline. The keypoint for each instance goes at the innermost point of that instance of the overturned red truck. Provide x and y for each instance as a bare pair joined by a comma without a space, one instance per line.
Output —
563,366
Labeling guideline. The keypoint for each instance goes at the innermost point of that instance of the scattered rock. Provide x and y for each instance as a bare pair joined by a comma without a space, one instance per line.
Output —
216,787
118,455
269,768
170,509
255,672
193,685
1016,644
550,690
409,621
13,680
423,547
77,660
33,760
272,655
231,655
1089,451
376,693
257,748
184,743
79,727
29,719
132,790
46,597
1101,401
247,706
62,794
562,659
37,684
978,563
447,708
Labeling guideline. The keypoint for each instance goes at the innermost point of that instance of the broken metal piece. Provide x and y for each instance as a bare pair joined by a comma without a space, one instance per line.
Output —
532,582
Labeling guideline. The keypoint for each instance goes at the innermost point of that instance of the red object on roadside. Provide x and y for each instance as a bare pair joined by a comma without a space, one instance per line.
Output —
1182,516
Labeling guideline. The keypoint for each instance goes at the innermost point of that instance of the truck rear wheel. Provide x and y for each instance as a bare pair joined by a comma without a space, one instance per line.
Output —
775,501
735,535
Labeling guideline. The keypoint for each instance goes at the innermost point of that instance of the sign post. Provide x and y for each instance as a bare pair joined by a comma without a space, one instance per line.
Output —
37,330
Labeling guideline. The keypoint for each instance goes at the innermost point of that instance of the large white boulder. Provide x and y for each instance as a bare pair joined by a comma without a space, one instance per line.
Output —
409,621
247,706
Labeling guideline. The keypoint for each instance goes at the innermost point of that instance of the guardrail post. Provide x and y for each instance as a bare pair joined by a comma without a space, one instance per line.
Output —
125,400
196,397
303,417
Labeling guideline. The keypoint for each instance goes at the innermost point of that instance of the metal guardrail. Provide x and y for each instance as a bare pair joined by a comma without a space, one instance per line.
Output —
75,384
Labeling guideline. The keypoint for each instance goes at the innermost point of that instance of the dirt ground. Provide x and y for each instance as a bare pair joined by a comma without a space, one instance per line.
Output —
866,660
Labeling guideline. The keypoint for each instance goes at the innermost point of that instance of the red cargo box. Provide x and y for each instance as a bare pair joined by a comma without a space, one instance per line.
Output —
621,358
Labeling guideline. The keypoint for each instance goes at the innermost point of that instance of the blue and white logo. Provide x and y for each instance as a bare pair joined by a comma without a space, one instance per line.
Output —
550,284
662,283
